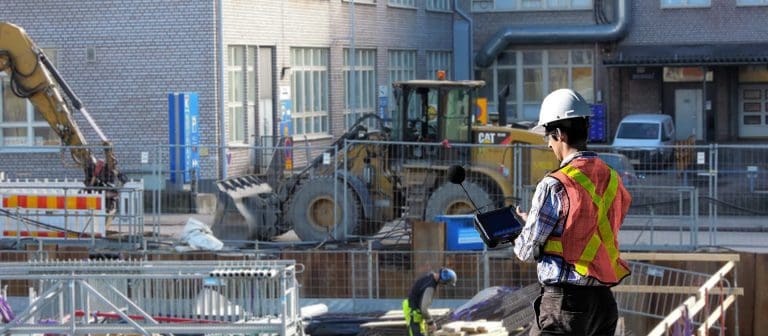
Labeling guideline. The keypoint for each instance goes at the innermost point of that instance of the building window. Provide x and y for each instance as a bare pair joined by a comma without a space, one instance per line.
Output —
438,60
403,3
309,86
531,74
751,2
439,5
235,99
363,85
21,124
685,3
529,5
402,67
753,111
251,89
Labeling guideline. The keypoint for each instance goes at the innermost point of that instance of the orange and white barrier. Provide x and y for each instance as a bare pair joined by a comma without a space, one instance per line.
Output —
50,209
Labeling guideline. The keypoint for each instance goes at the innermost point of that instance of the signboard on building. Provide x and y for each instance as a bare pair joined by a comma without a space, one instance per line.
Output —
597,128
383,101
184,136
286,111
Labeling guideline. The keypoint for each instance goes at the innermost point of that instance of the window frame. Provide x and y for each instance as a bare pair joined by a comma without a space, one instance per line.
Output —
362,2
30,123
749,130
365,85
317,98
683,4
481,6
439,60
441,6
401,71
236,90
760,3
516,102
410,4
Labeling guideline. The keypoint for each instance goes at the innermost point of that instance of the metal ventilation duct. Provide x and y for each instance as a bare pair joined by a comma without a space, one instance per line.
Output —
554,34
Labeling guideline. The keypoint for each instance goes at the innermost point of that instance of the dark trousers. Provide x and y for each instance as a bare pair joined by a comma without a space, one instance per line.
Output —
414,329
575,310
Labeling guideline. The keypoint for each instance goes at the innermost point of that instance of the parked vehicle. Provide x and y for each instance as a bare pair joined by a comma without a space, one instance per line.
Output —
622,165
386,181
646,139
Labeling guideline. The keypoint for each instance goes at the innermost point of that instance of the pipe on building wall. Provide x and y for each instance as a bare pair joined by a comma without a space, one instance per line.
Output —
220,100
549,34
467,18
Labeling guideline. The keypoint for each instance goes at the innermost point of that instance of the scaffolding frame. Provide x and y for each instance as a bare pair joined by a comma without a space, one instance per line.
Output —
142,297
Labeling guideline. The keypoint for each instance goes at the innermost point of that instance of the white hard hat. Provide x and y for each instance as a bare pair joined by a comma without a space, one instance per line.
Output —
559,105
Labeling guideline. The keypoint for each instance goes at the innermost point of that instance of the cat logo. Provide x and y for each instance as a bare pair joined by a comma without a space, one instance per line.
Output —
492,137
486,137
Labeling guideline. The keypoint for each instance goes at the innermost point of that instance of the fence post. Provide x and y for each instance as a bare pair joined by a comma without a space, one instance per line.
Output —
370,269
695,210
345,225
486,269
517,179
712,193
352,277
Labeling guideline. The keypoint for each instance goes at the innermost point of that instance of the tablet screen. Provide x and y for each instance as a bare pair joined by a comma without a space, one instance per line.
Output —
500,225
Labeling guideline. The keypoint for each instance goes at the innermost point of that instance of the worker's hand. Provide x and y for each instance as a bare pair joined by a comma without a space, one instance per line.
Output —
523,215
432,326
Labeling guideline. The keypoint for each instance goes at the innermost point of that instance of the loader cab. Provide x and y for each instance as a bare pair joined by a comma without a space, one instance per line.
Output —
434,110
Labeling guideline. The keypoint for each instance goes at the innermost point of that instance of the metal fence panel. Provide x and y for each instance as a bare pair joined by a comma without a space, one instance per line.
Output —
730,183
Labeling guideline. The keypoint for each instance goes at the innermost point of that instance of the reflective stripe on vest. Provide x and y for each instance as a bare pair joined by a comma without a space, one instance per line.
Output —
604,234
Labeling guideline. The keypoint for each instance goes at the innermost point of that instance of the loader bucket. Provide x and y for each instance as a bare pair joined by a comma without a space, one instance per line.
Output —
247,210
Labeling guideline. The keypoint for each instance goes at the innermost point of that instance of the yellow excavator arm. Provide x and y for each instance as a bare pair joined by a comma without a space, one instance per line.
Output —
34,77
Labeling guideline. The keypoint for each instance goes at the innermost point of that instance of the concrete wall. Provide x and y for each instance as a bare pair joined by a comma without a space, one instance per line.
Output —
723,22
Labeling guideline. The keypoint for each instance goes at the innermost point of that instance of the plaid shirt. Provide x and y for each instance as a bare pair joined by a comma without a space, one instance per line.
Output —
547,215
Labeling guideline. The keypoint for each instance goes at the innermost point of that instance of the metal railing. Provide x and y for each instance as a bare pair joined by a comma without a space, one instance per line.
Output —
358,280
706,188
80,297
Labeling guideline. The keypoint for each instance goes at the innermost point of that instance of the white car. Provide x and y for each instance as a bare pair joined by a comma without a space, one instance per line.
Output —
646,139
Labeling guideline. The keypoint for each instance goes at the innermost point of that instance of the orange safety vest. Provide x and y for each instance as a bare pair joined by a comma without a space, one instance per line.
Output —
589,240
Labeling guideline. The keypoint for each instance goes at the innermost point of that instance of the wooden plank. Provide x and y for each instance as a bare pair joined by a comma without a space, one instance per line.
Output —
639,256
435,312
428,241
692,290
475,327
449,333
760,294
428,236
383,324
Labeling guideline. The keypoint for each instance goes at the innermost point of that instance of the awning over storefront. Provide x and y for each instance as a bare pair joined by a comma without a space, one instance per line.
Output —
688,55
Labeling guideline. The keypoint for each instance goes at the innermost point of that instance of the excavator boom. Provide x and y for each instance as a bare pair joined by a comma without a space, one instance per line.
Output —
34,77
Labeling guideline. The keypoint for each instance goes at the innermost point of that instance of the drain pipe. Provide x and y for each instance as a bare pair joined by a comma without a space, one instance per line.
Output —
547,34
222,109
467,18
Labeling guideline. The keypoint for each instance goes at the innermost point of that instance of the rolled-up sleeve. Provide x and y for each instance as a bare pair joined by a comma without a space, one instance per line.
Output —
426,301
543,216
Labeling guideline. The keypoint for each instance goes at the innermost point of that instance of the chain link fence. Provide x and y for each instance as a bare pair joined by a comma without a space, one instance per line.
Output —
685,202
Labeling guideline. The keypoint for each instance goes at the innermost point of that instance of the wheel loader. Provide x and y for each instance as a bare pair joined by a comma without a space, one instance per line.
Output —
395,171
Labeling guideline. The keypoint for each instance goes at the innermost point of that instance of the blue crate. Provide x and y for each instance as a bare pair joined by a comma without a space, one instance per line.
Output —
460,233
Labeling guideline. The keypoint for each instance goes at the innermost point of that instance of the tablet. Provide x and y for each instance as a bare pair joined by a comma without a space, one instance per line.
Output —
498,226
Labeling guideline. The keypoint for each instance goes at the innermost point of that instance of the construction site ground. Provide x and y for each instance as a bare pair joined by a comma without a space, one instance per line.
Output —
742,233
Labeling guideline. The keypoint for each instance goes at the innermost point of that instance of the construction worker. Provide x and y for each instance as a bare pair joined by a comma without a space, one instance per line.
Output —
572,226
415,307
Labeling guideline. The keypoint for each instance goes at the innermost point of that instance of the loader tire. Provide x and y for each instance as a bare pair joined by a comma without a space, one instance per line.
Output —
310,210
449,199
